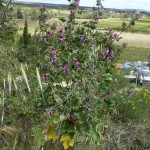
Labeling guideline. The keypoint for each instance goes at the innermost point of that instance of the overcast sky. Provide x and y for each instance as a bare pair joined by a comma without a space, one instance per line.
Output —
133,4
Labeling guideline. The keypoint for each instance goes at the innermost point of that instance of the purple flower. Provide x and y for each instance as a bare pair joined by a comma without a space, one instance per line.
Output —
66,69
52,60
107,51
92,39
65,28
54,53
60,31
61,38
110,29
73,13
42,7
76,62
48,33
113,36
97,18
108,58
77,1
81,37
45,77
107,94
138,15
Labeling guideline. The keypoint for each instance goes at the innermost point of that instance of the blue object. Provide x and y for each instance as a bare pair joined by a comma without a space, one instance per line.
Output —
126,65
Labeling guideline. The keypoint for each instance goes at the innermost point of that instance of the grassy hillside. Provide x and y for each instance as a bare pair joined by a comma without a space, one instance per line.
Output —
48,5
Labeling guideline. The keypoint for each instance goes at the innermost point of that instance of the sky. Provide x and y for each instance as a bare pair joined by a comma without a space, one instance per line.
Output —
120,4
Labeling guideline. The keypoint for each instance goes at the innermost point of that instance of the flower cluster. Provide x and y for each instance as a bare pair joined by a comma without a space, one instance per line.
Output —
42,7
138,15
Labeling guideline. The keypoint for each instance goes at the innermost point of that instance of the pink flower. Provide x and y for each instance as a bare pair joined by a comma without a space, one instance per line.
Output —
60,31
45,77
92,39
113,36
54,53
107,51
61,38
48,33
81,37
108,58
76,62
52,60
66,69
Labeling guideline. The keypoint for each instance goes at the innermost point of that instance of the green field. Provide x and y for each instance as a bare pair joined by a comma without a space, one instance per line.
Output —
134,54
141,26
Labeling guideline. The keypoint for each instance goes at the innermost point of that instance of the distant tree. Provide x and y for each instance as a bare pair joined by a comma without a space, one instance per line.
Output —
19,14
25,33
24,44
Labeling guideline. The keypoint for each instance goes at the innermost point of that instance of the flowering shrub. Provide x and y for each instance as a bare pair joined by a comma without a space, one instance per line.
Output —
76,65
77,70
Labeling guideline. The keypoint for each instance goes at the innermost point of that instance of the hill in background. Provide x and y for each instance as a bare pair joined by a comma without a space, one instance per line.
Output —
64,6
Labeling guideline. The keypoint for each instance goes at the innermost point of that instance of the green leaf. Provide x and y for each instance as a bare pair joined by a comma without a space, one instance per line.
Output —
55,119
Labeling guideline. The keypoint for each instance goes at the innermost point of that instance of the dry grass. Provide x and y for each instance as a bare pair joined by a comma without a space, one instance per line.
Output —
136,39
66,12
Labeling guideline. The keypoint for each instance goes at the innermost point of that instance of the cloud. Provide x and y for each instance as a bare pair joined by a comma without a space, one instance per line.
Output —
132,4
